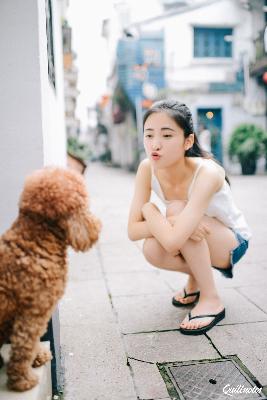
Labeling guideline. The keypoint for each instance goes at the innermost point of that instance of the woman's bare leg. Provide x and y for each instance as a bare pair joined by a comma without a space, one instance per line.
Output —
197,260
157,256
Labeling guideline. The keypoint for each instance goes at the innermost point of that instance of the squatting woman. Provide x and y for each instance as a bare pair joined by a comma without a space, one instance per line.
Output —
203,228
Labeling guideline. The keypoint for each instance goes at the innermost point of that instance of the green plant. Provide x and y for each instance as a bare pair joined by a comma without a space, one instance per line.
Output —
78,149
265,150
247,144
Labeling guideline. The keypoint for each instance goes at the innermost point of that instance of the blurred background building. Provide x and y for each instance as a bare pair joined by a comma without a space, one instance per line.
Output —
70,82
208,54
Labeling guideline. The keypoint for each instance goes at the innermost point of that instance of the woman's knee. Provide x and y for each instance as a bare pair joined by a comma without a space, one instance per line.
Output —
152,251
175,207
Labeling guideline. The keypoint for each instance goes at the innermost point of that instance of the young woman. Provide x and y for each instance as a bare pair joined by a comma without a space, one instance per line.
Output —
202,227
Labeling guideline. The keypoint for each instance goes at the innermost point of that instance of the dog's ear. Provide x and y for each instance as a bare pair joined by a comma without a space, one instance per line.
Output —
53,193
82,231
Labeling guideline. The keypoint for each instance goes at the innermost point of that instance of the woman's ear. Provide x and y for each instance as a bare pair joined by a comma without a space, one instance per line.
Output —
189,141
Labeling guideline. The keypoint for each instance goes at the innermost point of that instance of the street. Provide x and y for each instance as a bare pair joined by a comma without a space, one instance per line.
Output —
117,320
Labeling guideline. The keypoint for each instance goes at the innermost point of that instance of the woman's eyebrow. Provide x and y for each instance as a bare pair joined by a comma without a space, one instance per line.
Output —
167,128
149,129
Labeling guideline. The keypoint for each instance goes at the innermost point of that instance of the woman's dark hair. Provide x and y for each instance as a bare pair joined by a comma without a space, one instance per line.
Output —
181,114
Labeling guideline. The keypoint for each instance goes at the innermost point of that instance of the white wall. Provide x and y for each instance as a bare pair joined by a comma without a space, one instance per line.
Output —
31,115
188,78
52,100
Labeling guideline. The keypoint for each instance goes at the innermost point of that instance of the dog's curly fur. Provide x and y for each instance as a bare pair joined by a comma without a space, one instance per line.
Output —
53,213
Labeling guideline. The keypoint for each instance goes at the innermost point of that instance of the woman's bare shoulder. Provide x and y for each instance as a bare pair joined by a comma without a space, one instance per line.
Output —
213,171
145,167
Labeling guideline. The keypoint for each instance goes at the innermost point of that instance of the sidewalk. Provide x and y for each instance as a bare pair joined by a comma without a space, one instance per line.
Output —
117,321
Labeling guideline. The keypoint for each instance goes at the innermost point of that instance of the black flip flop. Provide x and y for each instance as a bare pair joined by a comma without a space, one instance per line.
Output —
178,303
217,318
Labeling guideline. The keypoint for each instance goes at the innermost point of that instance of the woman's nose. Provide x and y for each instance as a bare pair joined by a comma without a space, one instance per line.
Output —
156,145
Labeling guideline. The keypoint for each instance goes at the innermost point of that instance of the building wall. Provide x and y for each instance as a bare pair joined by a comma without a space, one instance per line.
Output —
188,78
31,113
52,99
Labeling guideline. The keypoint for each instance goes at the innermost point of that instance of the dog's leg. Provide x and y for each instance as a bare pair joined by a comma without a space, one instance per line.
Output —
42,356
5,330
25,337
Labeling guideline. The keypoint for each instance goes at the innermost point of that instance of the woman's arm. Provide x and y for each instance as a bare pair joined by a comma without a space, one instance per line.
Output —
137,226
173,236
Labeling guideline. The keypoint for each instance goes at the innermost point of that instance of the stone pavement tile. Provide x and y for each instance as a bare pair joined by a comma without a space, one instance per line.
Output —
122,259
84,303
248,341
176,280
84,266
83,392
239,309
95,364
256,294
110,234
257,256
168,347
147,313
148,381
244,275
135,283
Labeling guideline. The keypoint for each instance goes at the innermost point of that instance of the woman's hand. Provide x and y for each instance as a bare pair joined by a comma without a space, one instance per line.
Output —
200,233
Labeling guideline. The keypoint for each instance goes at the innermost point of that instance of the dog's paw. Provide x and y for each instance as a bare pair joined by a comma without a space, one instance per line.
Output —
23,383
42,357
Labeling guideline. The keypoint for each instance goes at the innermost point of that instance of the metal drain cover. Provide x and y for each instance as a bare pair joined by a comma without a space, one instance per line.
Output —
212,380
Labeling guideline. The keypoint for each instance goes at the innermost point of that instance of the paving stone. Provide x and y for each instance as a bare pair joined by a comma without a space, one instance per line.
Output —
175,280
256,253
95,363
239,309
136,283
248,341
256,294
148,381
114,236
84,266
155,312
168,347
148,313
84,303
117,261
245,275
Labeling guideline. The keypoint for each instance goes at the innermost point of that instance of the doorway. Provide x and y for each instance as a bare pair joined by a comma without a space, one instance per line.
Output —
211,119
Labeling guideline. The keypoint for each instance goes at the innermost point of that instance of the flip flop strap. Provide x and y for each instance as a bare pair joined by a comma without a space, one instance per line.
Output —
202,316
190,294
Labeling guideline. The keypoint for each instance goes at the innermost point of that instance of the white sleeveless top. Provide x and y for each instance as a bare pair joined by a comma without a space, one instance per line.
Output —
221,206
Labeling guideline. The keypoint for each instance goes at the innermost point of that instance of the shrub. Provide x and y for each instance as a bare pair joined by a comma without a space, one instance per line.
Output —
247,144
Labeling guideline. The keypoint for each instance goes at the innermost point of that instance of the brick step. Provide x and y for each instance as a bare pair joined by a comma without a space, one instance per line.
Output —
43,391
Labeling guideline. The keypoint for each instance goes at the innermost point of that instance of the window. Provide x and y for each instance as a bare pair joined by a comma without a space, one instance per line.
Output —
213,42
50,44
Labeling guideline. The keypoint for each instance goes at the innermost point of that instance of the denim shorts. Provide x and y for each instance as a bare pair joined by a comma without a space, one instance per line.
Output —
235,255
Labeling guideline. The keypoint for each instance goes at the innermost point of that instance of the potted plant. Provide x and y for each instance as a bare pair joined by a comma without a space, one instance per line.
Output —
265,149
247,144
78,154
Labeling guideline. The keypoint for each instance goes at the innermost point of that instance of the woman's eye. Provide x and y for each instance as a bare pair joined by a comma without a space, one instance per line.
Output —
168,136
148,135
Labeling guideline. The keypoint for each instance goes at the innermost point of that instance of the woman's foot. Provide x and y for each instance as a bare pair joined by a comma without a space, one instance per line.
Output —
205,306
191,287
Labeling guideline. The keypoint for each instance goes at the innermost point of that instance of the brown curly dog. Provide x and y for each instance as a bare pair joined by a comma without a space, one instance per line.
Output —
53,213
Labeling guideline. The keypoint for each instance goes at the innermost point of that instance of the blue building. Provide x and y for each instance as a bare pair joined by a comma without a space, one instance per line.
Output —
140,63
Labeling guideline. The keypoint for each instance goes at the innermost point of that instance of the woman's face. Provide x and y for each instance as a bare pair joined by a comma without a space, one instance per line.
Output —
164,140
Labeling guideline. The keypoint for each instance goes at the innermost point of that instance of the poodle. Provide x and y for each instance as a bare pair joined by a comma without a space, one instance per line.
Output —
53,213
